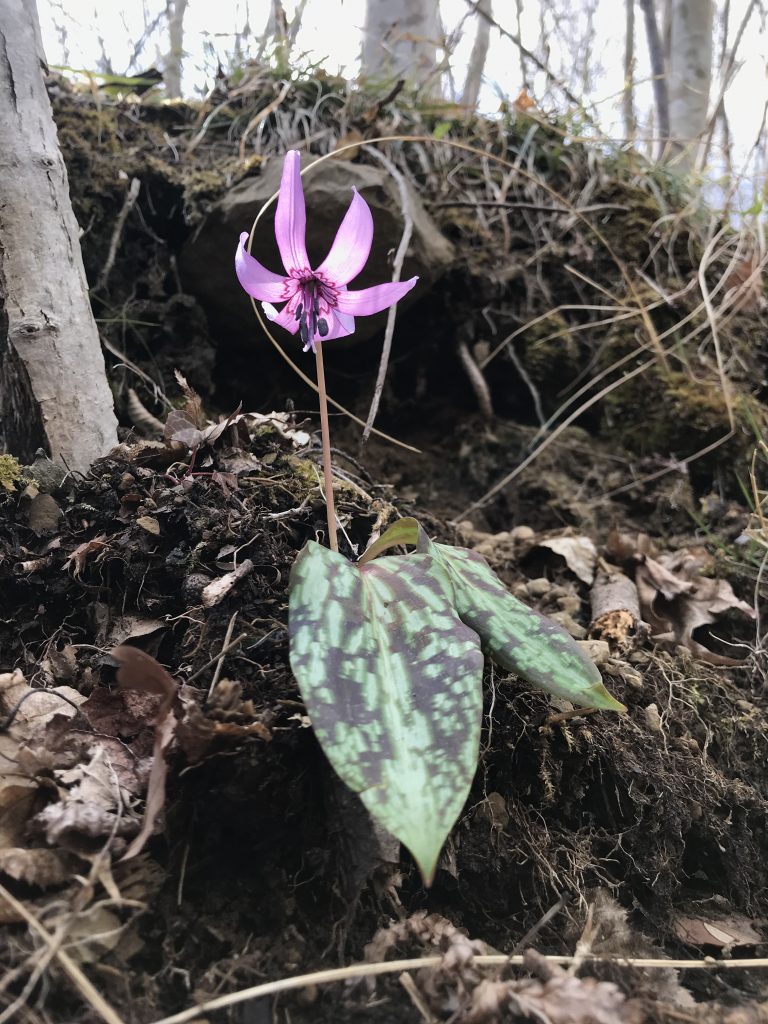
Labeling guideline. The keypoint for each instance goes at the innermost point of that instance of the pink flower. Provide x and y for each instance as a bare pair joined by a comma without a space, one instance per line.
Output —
317,303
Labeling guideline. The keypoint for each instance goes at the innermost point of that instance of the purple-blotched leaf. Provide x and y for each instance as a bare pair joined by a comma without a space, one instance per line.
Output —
392,682
517,637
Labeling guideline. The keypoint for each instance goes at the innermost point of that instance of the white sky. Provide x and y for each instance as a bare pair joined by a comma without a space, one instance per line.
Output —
331,35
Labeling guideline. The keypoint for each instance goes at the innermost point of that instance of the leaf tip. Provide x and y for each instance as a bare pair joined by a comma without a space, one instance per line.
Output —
600,698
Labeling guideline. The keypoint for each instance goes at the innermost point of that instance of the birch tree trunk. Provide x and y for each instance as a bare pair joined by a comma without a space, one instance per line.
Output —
474,78
400,39
689,76
53,386
172,66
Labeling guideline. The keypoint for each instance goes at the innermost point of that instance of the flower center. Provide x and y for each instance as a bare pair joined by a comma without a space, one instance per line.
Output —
315,300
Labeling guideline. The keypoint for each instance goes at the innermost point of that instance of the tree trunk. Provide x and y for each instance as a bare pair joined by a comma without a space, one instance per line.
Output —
476,64
628,96
176,9
689,77
400,39
658,71
53,387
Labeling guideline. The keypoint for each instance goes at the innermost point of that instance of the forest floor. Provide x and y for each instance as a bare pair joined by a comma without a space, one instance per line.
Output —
617,838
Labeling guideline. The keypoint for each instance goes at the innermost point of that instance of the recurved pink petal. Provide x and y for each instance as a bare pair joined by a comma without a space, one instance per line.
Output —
259,282
352,244
339,326
291,216
373,300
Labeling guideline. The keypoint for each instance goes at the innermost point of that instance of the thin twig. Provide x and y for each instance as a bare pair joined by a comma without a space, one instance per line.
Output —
543,921
476,379
509,205
261,115
84,986
325,432
224,650
222,655
476,7
416,998
397,270
712,318
158,393
513,474
396,966
128,204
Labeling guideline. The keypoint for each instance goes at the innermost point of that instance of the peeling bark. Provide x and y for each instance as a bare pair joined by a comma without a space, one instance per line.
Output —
53,387
616,611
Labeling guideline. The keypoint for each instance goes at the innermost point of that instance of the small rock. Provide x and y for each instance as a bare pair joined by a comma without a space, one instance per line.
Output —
486,548
653,718
47,474
569,603
538,587
522,533
569,624
598,650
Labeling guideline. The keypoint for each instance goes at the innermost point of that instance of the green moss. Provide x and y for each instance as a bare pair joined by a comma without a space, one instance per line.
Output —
670,414
11,472
551,352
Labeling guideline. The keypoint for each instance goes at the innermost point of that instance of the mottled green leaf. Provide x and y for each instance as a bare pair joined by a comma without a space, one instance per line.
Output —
517,637
392,682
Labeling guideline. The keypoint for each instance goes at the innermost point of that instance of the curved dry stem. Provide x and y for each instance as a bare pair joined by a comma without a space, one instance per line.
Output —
396,966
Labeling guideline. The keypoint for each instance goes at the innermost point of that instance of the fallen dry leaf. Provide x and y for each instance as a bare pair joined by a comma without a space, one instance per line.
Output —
724,932
579,554
555,997
77,560
39,867
131,627
181,430
675,599
140,671
26,711
193,403
196,732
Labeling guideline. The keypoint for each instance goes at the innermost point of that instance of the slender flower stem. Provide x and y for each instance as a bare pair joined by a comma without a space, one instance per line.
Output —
326,436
